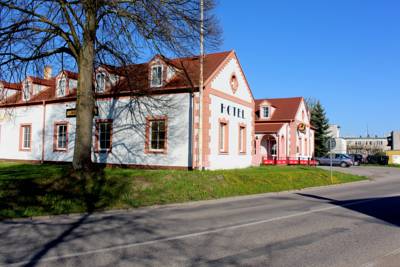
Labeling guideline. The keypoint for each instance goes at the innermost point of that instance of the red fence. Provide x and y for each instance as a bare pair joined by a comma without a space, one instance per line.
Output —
288,161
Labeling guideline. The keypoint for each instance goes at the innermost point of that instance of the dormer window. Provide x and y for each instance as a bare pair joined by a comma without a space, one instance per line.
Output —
100,82
156,76
265,112
26,92
61,88
2,91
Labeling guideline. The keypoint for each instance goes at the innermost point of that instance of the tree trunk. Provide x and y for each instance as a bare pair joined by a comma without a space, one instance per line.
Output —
85,100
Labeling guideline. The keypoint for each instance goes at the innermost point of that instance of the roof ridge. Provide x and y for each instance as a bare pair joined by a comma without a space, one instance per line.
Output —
279,98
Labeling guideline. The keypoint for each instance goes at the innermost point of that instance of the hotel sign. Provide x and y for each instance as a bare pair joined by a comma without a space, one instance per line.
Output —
301,127
232,111
71,112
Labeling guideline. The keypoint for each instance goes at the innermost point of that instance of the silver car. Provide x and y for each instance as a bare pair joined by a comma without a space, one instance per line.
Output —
341,160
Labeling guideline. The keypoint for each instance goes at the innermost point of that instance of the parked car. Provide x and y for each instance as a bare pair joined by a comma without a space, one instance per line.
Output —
341,160
378,159
357,159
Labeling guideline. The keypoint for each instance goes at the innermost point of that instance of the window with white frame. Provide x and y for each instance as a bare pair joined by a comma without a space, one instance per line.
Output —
157,135
242,139
26,137
265,111
156,76
61,136
26,91
100,82
61,87
2,92
223,137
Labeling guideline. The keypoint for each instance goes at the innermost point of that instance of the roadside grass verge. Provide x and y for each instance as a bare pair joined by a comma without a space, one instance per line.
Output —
32,190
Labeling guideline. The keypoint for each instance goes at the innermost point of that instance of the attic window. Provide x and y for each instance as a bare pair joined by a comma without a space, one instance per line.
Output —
100,82
26,92
61,87
234,83
156,76
265,112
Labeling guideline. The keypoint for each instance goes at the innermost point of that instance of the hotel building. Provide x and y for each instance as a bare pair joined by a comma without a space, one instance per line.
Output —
147,115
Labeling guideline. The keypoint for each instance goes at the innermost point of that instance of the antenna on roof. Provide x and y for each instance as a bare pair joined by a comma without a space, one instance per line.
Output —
200,131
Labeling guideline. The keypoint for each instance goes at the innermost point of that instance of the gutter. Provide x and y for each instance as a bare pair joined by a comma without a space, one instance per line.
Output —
43,128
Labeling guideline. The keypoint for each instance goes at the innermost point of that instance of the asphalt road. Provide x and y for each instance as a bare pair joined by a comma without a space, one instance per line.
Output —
348,225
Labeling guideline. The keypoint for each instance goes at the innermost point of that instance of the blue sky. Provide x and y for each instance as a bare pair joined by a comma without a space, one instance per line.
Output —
346,53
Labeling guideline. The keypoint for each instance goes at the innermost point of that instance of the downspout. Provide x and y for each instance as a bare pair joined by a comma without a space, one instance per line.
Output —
287,142
43,128
201,85
191,162
277,148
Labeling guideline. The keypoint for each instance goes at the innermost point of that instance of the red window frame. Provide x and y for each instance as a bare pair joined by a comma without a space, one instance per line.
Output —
22,137
56,136
97,135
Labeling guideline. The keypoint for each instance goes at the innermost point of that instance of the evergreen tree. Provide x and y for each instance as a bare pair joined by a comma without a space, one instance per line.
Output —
320,122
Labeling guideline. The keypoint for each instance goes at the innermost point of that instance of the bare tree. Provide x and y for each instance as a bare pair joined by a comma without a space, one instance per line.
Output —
94,32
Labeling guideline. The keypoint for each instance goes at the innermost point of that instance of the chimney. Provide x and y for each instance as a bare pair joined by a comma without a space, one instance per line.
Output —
47,72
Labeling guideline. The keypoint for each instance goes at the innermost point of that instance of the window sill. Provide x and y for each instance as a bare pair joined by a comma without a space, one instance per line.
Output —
60,150
25,149
150,151
104,151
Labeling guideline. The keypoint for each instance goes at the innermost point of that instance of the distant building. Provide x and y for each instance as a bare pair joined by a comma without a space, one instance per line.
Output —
341,145
394,144
283,130
366,145
395,140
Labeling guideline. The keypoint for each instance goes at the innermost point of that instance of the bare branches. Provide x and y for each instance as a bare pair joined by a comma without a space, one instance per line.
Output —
91,33
125,29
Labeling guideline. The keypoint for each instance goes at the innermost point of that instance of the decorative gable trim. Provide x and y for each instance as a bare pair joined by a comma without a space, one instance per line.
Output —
231,56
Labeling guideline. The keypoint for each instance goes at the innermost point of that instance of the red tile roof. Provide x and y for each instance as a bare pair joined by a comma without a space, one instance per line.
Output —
41,81
13,86
71,74
268,127
186,77
187,74
286,108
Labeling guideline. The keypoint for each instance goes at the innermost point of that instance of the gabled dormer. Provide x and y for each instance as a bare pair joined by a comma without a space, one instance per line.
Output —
156,70
65,82
303,114
3,91
161,71
27,89
266,110
61,85
101,79
8,89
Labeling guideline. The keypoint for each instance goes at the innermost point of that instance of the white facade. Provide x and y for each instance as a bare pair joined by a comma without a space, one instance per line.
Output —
128,140
130,118
236,107
232,159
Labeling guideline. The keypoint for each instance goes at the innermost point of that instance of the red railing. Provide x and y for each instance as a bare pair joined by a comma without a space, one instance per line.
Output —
288,161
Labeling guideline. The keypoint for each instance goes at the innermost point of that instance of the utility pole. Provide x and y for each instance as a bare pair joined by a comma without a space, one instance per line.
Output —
201,85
